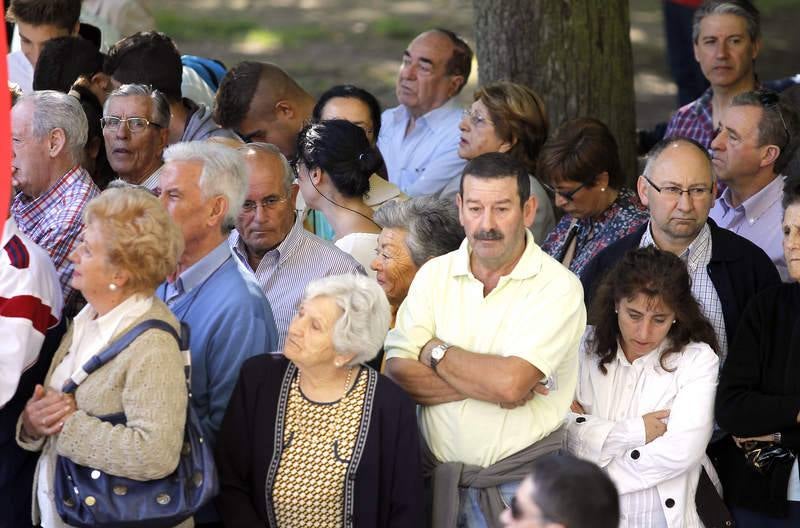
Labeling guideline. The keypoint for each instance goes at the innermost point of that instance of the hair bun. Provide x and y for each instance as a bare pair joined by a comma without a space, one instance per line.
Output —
370,161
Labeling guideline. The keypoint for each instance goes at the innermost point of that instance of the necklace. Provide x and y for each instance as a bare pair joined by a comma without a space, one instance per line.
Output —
346,383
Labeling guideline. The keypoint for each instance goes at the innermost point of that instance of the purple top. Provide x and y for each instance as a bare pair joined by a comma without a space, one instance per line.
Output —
624,216
758,219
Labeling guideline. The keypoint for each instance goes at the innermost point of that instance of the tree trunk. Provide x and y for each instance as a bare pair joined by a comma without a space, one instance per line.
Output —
576,54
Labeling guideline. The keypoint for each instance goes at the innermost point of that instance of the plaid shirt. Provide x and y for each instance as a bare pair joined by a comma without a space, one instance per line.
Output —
694,121
54,221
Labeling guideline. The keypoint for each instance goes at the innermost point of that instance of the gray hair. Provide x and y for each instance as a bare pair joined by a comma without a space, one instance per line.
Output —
160,113
53,110
431,225
771,131
364,322
662,145
740,8
224,173
269,148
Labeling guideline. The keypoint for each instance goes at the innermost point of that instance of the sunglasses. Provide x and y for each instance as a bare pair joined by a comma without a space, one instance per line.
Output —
770,100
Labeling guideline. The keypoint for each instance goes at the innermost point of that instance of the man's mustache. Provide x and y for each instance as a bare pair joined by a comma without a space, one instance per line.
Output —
491,234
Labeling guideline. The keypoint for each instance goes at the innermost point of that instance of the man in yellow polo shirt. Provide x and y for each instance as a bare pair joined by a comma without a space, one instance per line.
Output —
481,328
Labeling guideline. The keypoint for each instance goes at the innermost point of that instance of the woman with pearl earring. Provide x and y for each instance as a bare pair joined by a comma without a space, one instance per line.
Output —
128,247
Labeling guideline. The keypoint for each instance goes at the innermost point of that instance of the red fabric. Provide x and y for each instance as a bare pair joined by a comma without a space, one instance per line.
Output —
5,131
28,307
688,3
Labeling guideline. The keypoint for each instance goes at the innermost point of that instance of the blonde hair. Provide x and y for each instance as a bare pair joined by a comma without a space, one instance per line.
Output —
139,235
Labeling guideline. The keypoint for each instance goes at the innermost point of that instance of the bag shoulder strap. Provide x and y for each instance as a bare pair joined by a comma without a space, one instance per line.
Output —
103,357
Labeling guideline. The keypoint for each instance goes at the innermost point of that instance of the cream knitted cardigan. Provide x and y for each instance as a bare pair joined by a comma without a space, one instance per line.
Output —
145,381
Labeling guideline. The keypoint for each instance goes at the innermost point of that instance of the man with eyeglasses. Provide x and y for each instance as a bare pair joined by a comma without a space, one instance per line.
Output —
678,189
757,139
270,242
563,492
135,128
419,137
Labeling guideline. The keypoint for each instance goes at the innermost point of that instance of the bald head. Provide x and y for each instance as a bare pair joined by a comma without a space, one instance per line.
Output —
261,102
683,148
678,188
268,212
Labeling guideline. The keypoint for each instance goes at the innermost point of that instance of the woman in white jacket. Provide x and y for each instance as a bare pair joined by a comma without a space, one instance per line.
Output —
644,408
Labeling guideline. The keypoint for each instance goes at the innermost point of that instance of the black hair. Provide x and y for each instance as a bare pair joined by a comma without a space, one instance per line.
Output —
791,191
342,150
236,92
63,60
150,58
460,63
63,14
574,492
348,91
494,165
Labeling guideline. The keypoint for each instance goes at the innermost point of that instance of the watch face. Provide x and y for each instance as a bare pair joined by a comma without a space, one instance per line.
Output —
438,352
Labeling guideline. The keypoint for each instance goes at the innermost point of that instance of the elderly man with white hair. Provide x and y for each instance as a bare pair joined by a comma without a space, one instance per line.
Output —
48,131
314,437
203,187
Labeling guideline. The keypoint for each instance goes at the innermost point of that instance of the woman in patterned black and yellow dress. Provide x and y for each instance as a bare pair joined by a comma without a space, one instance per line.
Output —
315,439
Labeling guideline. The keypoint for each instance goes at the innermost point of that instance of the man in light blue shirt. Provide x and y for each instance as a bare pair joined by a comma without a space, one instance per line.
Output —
230,320
419,138
757,137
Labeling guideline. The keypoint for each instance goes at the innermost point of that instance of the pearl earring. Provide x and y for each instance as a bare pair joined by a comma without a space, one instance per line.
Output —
674,321
602,189
112,287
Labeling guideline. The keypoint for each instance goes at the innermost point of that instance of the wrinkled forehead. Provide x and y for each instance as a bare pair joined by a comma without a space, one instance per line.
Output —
264,168
431,46
723,25
129,106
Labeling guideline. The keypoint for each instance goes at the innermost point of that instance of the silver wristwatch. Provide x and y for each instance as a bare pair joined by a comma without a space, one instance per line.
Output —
437,354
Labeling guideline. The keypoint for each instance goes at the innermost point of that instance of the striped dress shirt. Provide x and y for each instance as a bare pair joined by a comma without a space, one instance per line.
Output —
285,271
54,221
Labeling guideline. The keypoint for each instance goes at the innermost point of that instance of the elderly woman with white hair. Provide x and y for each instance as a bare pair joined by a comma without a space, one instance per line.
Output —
332,442
413,232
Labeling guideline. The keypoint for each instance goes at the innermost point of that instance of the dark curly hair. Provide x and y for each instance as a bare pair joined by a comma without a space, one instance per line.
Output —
656,274
342,150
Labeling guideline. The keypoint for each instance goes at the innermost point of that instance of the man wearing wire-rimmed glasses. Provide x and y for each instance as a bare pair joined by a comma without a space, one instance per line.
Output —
678,189
135,128
756,139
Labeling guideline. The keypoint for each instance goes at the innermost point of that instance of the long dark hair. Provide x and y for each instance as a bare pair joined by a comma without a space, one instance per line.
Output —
654,273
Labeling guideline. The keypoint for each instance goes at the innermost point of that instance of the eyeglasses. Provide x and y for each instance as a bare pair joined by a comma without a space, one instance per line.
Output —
674,193
474,118
770,100
270,202
567,195
134,124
